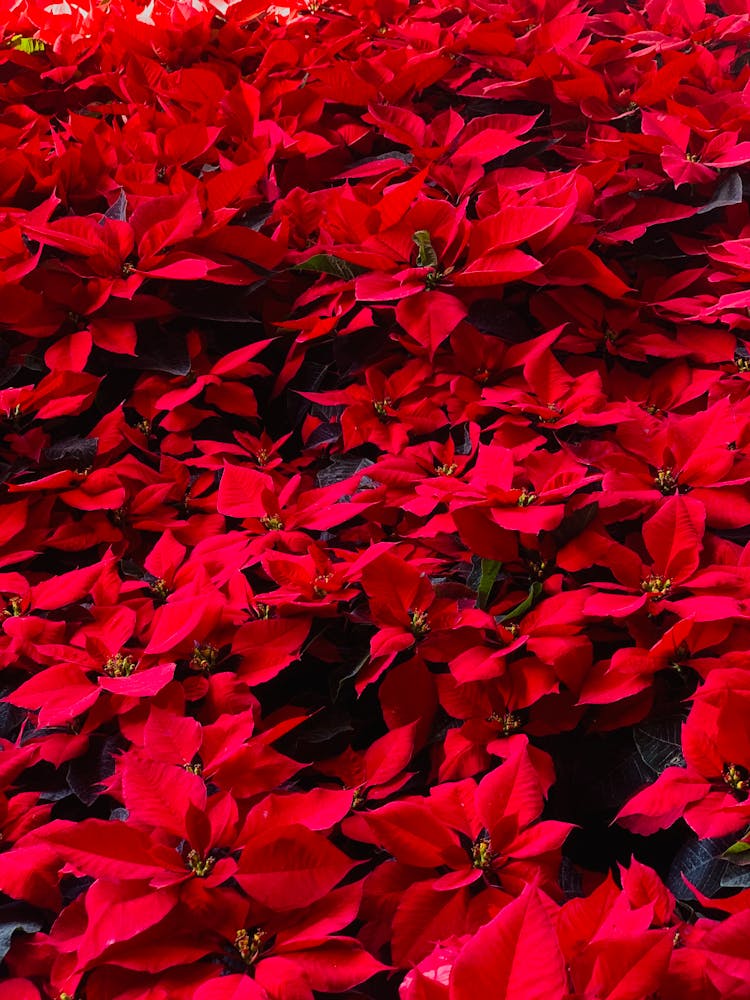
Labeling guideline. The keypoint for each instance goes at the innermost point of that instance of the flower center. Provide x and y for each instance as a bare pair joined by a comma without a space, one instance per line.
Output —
509,721
159,588
526,497
419,623
433,278
319,588
199,866
358,799
204,657
272,522
119,666
446,470
680,654
665,481
553,415
381,407
14,609
656,586
249,943
120,515
737,777
481,853
537,568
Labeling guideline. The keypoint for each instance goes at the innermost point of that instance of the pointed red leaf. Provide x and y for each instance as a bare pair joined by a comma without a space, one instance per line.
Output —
335,964
179,620
429,317
157,794
630,968
116,912
241,492
291,867
141,684
237,987
516,956
18,989
413,835
425,916
60,693
103,849
662,803
49,595
674,536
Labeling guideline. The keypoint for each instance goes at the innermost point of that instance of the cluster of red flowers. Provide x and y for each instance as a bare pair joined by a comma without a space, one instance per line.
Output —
375,464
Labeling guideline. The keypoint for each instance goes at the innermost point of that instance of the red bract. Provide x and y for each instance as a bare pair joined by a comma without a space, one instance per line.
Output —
254,497
297,953
64,689
679,455
407,611
482,835
617,943
499,495
710,791
377,772
386,409
674,539
515,952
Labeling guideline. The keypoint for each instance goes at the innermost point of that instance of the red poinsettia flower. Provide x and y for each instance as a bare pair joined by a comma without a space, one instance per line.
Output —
483,835
711,791
407,611
386,409
294,953
652,458
673,538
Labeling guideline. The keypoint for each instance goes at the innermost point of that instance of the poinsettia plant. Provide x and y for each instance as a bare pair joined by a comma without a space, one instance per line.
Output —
374,464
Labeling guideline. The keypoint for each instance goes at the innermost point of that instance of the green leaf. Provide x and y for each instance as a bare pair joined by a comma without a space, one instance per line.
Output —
528,602
426,256
737,850
27,45
327,263
489,570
